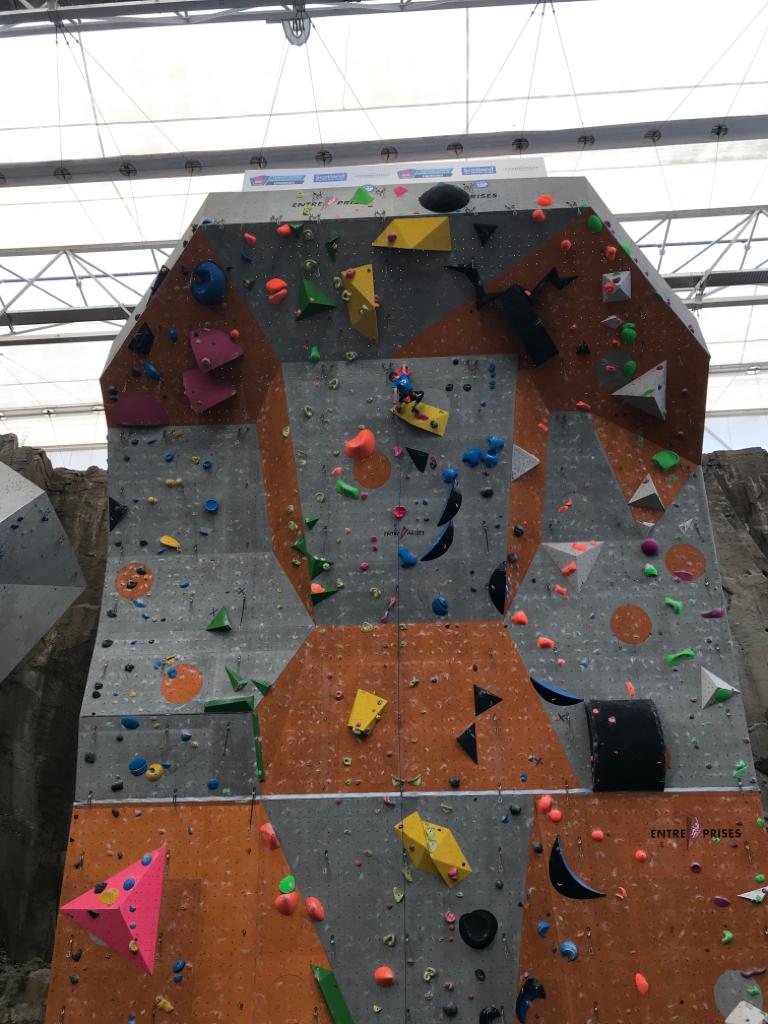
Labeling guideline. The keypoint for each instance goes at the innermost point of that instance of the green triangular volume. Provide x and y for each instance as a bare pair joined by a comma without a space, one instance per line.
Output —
226,705
334,1000
362,197
313,300
236,681
220,622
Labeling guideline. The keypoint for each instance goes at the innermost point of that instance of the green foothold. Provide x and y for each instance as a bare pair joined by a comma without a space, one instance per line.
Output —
332,995
628,334
675,605
760,878
310,521
672,659
262,686
220,622
249,282
314,354
665,460
650,570
740,768
332,247
312,300
300,545
629,368
362,197
715,840
225,705
727,937
236,681
722,694
594,223
753,990
287,884
348,490
626,247
761,822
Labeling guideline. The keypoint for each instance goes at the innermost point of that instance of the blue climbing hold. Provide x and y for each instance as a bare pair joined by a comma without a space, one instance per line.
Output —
495,444
203,531
152,372
128,722
489,459
184,585
146,859
129,883
172,333
450,474
542,928
211,505
440,605
213,783
171,673
407,558
168,456
207,464
137,766
138,603
471,457
569,950
178,978
491,368
209,282
179,966
186,735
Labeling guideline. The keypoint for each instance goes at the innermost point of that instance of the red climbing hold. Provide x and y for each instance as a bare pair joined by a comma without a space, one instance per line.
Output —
641,856
285,230
519,619
544,803
361,446
538,216
544,643
287,902
555,814
384,976
584,406
610,252
544,200
641,984
249,238
566,245
269,837
315,908
598,835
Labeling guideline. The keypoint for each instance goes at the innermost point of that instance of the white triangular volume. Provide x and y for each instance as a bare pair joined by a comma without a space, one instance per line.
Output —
713,689
613,323
617,287
522,462
582,554
746,1013
754,895
647,392
646,496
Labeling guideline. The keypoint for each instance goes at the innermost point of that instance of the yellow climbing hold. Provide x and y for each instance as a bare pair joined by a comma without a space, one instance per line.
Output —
154,771
109,896
163,1004
433,849
170,542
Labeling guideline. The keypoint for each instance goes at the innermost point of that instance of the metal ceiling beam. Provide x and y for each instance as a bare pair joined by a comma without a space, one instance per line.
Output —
95,17
481,146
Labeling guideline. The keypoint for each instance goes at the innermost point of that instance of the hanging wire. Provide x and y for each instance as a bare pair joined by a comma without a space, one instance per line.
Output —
274,95
567,65
533,65
314,95
356,98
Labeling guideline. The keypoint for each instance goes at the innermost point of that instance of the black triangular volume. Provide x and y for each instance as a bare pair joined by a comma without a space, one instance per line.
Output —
468,742
116,512
485,700
142,341
419,459
484,232
497,587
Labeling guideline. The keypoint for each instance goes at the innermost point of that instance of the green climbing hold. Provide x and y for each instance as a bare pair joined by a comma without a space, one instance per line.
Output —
740,768
761,822
321,595
310,521
672,659
727,937
628,334
753,990
722,694
626,247
665,459
760,878
594,223
332,247
312,300
315,565
332,995
249,282
362,197
287,884
236,681
650,570
220,622
225,705
314,354
348,490
262,686
674,604
629,368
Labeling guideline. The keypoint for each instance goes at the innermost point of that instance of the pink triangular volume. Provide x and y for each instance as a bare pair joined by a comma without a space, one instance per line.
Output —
125,913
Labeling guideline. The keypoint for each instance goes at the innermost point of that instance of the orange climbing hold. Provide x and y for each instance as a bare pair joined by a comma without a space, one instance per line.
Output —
249,238
315,908
566,245
361,446
544,643
519,618
641,984
538,216
610,252
287,902
317,588
562,591
598,835
269,836
555,815
641,856
630,688
544,803
384,976
544,200
285,230
568,570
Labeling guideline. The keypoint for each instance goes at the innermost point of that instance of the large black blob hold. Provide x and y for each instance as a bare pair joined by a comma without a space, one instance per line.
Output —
478,928
489,1014
627,740
116,512
468,742
485,700
444,198
441,545
565,880
452,506
530,990
142,341
497,587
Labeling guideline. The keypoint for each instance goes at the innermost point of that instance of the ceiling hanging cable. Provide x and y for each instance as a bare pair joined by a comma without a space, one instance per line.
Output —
261,159
323,156
533,68
503,64
585,140
347,84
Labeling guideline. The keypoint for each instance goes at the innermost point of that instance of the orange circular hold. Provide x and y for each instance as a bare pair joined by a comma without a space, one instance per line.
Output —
361,446
315,908
286,903
276,284
555,815
373,471
538,216
183,686
544,200
384,976
544,803
641,856
631,624
685,562
134,580
598,835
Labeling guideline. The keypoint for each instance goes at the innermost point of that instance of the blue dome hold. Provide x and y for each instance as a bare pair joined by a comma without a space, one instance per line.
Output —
137,766
569,950
146,859
129,883
213,783
450,474
542,928
179,966
440,605
129,722
211,505
209,282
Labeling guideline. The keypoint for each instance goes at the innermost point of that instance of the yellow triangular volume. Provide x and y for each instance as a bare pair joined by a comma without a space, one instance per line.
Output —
366,710
411,831
430,233
433,848
362,303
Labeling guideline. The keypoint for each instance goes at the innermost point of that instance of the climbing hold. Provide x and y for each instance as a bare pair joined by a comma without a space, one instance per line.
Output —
598,835
211,505
672,659
674,604
650,546
137,766
269,836
594,223
440,545
348,490
650,570
384,976
545,643
641,856
287,884
519,618
530,990
497,587
128,722
208,283
314,354
468,742
440,605
361,446
315,908
538,216
170,542
312,300
471,457
420,460
484,700
286,903
407,558
366,712
666,460
727,938
478,928
713,689
641,984
444,198
484,232
542,928
220,622
568,950
565,880
452,504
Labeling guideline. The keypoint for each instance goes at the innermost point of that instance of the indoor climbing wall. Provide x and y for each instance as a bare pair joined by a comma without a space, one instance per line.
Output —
413,696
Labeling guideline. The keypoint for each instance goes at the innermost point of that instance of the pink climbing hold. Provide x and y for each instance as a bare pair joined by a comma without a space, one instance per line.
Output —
269,836
641,985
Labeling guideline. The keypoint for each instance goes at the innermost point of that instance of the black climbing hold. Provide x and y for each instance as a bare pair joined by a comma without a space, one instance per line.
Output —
489,1014
518,530
89,757
565,880
468,742
478,928
515,810
111,614
95,694
554,695
454,782
130,585
142,341
76,954
418,458
99,887
449,387
484,232
452,505
497,587
486,492
141,571
480,974
444,198
441,545
107,643
116,787
73,977
583,349
128,668
467,387
538,847
115,812
485,700
512,558
450,1009
499,884
530,990
116,512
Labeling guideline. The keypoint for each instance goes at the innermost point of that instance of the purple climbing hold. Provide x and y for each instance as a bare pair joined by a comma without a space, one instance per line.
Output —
649,546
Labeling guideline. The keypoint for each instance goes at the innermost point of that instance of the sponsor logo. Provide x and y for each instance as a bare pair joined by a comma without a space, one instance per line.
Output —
426,172
470,172
695,830
335,176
